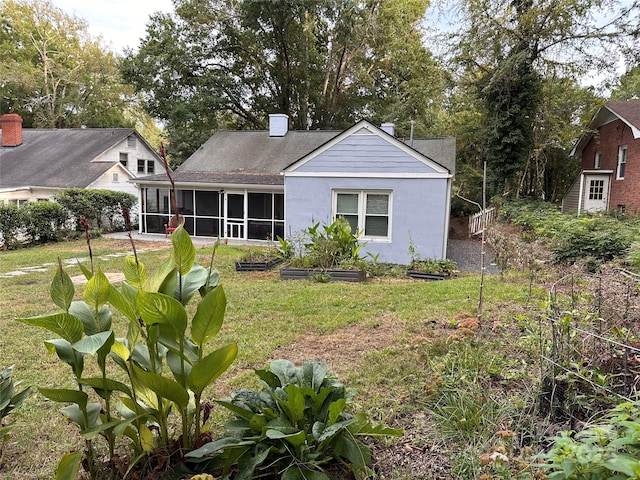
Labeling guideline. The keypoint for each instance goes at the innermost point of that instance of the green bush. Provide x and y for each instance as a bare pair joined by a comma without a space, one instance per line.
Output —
610,448
297,427
10,224
10,399
44,221
97,205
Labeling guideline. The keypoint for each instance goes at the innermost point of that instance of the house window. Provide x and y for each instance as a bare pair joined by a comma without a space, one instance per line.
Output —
124,159
265,215
114,177
150,166
367,212
622,161
18,202
596,160
141,166
596,189
131,141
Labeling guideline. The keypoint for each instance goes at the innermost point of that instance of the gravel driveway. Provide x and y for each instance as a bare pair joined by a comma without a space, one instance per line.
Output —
466,253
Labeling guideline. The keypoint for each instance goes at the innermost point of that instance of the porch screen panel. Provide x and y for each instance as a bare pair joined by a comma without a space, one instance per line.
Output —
155,211
184,199
207,213
265,216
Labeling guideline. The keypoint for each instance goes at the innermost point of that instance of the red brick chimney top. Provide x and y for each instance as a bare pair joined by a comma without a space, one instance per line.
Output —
11,125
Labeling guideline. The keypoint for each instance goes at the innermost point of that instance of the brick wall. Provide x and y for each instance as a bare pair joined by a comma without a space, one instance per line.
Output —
625,192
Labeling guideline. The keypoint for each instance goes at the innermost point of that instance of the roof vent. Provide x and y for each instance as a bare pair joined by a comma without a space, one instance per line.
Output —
11,125
388,127
278,124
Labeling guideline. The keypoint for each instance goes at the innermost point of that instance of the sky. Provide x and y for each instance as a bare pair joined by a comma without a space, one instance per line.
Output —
120,23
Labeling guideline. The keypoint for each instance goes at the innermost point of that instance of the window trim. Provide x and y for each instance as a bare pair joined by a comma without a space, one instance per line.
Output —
622,162
362,213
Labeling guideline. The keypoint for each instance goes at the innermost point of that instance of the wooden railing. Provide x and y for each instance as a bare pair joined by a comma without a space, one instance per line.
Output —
476,220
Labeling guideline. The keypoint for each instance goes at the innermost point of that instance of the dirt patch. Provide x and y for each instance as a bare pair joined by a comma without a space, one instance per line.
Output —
344,349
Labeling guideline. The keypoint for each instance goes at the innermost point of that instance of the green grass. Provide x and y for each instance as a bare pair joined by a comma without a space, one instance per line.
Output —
263,314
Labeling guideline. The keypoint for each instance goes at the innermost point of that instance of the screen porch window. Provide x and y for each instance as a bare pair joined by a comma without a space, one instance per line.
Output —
622,161
368,212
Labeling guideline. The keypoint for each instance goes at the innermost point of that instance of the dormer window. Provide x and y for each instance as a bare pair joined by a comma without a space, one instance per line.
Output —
596,160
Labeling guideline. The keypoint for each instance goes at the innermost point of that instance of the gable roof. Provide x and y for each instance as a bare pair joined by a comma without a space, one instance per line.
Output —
59,158
369,128
626,111
253,157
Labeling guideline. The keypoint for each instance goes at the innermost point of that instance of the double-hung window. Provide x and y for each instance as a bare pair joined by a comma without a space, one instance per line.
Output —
596,160
367,211
622,161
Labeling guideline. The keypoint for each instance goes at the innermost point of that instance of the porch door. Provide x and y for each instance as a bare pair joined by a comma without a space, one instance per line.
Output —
234,215
596,195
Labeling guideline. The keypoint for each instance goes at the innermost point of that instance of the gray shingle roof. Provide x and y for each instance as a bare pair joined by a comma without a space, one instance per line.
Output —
58,158
629,111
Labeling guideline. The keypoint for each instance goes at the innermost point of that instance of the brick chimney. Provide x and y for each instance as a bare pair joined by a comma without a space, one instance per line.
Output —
11,125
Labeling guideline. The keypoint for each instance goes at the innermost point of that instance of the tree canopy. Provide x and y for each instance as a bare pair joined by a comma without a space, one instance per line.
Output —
53,73
325,64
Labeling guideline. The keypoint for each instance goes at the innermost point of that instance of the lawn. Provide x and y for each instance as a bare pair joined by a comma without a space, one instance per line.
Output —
398,342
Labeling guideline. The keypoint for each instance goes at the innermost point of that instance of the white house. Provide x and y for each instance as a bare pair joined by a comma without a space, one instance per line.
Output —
36,163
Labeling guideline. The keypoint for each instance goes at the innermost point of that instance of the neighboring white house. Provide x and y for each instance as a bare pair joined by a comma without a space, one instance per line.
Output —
36,163
257,185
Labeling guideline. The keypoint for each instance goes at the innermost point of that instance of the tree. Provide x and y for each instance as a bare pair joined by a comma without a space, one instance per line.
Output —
325,64
512,47
53,73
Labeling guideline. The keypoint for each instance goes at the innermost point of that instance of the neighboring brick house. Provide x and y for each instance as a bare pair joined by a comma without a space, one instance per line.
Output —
610,162
36,163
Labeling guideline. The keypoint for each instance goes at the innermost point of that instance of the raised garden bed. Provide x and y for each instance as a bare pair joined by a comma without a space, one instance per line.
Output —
428,276
258,266
289,273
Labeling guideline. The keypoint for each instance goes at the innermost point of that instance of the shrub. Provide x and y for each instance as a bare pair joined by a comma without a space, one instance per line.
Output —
97,205
609,448
43,221
10,224
296,427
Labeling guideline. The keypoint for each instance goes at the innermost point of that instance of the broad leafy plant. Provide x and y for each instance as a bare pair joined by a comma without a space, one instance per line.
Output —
609,448
324,246
160,338
297,427
10,399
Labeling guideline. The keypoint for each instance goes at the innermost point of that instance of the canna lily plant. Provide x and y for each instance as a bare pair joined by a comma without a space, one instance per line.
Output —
164,354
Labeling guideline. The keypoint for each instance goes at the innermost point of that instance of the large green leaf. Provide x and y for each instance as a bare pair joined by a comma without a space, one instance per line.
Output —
164,387
76,414
63,324
64,395
353,450
158,308
93,321
295,439
363,427
211,367
106,385
67,354
134,272
212,281
124,303
159,275
294,404
209,316
96,292
190,284
93,343
62,290
69,466
218,445
184,252
299,473
177,364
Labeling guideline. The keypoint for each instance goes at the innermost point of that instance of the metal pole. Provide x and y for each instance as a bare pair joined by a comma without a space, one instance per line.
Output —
483,242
